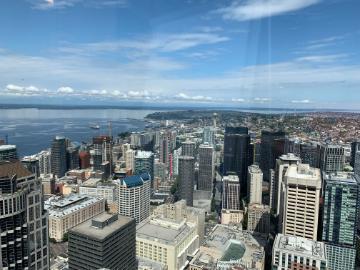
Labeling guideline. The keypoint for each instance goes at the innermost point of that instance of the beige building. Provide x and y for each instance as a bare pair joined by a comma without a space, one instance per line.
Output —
254,187
130,159
229,247
179,211
258,218
229,216
166,241
67,212
231,192
300,201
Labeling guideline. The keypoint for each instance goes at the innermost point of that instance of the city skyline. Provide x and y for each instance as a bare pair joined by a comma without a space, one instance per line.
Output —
255,53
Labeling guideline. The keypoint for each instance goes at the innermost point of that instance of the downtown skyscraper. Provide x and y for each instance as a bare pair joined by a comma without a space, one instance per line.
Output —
340,216
58,156
206,167
236,153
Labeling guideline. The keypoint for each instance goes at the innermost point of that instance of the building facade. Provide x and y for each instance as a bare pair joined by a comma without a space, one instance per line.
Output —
332,158
206,167
8,152
300,201
258,218
58,156
67,212
186,178
22,219
341,201
231,192
144,163
105,241
134,196
254,187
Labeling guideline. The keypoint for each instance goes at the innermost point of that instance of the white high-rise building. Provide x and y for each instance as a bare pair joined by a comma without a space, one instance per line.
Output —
206,167
292,252
300,201
175,160
130,159
277,178
134,196
254,187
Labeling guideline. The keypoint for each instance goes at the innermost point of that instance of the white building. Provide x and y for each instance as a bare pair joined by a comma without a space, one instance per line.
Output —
300,201
175,161
254,187
67,212
44,159
134,196
130,159
292,252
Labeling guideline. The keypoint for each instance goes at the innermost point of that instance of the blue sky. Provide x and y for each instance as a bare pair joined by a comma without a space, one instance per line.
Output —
246,53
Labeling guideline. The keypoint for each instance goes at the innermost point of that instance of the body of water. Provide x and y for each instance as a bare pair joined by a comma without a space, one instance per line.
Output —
33,130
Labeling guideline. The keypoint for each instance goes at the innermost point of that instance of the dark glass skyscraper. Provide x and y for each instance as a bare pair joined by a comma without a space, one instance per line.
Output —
237,153
58,156
272,146
186,179
341,200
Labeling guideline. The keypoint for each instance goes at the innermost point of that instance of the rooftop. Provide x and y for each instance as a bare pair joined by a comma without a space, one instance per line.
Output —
303,174
6,147
289,156
144,154
341,177
301,246
135,180
111,223
231,178
230,245
163,230
10,168
254,169
61,206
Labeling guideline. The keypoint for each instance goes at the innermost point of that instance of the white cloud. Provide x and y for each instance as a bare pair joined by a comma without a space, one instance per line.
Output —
322,58
262,99
62,4
240,100
161,43
183,96
257,9
65,90
303,101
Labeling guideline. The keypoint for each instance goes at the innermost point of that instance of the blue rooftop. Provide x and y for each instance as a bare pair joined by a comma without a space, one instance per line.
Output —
136,180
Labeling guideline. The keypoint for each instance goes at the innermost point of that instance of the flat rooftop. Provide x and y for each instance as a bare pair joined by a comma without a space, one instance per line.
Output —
301,246
61,206
226,243
144,154
231,178
341,177
7,147
163,230
87,229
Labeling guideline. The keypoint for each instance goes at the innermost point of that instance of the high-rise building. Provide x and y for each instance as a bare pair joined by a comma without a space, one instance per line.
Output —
144,163
341,202
293,252
231,192
277,178
310,154
209,136
58,156
8,152
355,147
357,164
175,160
254,187
102,151
134,196
332,158
31,164
258,218
130,159
206,167
104,242
272,146
300,201
72,157
236,153
84,159
23,220
186,179
167,143
188,148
